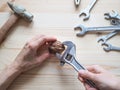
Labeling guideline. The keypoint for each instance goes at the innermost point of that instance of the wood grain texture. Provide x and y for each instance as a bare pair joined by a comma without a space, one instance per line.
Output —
58,18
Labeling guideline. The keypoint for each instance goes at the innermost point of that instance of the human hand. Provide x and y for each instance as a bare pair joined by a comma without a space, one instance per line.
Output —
34,53
103,79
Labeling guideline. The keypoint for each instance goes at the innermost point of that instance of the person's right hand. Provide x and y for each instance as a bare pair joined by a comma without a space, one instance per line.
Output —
103,79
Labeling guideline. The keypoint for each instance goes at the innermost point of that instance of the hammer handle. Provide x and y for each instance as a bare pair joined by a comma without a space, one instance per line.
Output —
6,27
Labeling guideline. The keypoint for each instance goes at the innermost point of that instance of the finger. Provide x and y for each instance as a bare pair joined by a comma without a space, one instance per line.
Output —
36,37
87,75
95,69
87,87
39,42
81,79
30,43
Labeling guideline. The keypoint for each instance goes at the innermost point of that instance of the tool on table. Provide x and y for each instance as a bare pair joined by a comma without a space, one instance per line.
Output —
19,12
110,47
69,56
107,37
84,30
114,17
77,2
87,10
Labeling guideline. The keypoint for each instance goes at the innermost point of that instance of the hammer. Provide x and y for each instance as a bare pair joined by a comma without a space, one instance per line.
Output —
19,12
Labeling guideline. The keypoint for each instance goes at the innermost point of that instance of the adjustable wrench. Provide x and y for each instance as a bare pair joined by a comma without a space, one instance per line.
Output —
77,2
86,11
69,56
110,47
108,36
84,29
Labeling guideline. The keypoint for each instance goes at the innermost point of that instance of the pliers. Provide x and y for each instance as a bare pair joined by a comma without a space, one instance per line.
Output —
69,56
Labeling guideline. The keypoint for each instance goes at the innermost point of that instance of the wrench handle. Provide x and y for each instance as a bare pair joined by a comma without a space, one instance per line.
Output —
91,4
77,66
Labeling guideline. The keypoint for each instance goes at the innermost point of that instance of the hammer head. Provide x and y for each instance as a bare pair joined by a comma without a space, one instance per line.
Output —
21,11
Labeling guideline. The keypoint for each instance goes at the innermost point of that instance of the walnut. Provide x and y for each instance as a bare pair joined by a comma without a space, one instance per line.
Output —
56,47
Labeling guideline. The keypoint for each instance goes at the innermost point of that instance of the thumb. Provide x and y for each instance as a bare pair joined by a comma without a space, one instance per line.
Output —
87,75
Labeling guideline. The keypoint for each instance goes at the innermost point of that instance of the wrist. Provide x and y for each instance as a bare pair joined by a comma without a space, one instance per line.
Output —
8,75
14,68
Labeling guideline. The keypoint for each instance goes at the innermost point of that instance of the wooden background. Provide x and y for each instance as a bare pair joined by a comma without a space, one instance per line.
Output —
57,18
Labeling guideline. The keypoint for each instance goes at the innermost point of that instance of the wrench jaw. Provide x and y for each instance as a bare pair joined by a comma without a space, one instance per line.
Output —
111,15
108,47
86,17
101,40
82,30
86,14
114,18
107,16
67,54
77,2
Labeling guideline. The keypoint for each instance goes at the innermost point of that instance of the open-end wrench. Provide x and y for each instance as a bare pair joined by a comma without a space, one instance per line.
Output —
84,30
110,47
107,37
114,17
86,11
77,2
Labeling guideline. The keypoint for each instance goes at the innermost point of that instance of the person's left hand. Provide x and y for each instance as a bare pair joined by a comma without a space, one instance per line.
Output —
34,53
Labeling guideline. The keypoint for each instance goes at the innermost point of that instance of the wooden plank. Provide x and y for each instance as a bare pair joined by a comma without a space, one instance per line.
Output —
58,18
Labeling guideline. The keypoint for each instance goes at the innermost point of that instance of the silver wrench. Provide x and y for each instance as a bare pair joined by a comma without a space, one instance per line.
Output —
110,47
86,11
77,2
113,17
84,30
69,57
108,36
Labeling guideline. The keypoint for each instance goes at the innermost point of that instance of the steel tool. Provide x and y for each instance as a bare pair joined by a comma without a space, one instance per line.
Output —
114,17
84,30
110,47
107,37
77,2
87,10
69,56
19,12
